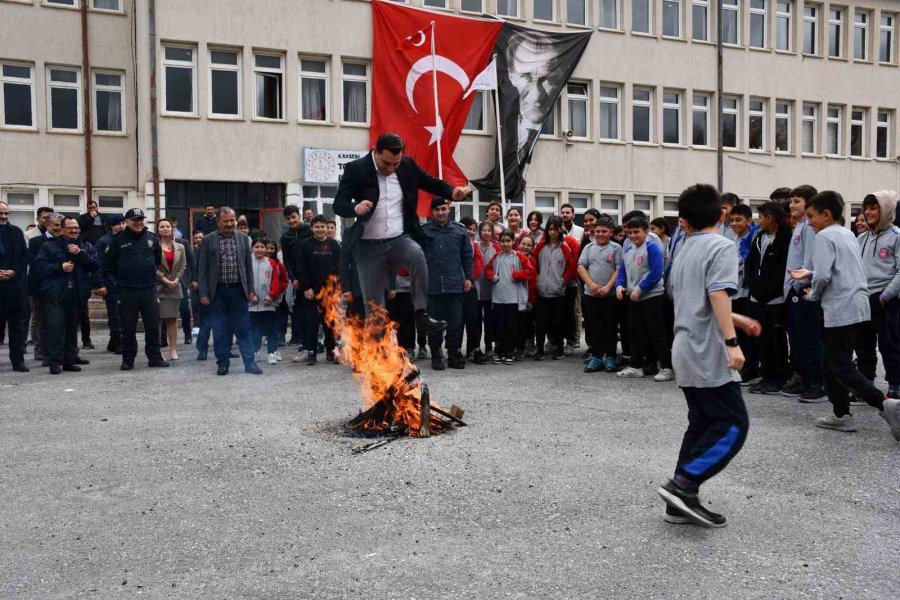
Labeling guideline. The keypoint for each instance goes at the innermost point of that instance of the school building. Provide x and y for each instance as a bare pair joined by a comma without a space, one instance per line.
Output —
257,104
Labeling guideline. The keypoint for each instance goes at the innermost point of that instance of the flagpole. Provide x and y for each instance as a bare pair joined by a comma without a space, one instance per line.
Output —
437,110
499,142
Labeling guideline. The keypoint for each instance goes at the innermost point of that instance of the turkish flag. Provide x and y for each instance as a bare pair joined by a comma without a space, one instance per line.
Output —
403,98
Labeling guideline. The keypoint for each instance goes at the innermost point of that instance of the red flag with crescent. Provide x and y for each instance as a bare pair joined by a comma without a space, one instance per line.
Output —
403,98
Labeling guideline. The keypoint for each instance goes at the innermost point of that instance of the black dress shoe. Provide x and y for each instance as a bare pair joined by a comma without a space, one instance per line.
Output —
80,361
222,370
455,360
21,368
201,356
437,364
127,366
45,362
71,368
425,324
157,364
55,369
87,345
188,339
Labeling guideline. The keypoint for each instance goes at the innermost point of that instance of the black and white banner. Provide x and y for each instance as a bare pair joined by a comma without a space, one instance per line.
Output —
533,67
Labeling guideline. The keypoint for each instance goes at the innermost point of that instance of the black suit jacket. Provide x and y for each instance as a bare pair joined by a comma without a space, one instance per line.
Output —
14,257
360,182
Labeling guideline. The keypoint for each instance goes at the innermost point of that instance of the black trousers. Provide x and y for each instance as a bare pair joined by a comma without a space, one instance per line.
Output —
506,323
60,336
184,310
717,428
313,317
804,328
600,324
144,303
569,314
472,320
203,322
447,307
741,306
884,331
548,322
772,344
623,325
486,314
297,328
525,331
403,314
648,334
85,322
841,375
14,324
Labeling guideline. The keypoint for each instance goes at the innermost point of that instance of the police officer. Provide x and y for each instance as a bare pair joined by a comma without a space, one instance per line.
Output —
132,257
116,224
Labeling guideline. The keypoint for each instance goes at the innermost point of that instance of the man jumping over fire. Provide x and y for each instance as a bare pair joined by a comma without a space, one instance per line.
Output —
380,190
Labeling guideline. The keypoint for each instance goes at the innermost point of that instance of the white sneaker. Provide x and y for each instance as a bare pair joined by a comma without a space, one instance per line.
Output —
664,375
568,350
273,359
299,358
844,423
277,356
630,373
891,414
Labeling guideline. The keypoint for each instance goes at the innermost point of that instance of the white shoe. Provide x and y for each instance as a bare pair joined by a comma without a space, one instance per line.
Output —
273,359
664,375
844,423
299,358
630,373
277,356
891,414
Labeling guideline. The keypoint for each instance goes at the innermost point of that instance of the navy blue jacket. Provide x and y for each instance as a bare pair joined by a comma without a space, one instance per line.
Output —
53,281
450,257
132,258
105,278
14,256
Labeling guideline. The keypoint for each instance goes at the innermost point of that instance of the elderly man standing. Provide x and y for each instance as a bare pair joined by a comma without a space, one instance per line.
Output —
225,276
381,191
13,300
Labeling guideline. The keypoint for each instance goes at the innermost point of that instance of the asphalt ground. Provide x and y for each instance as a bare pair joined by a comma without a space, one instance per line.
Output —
176,483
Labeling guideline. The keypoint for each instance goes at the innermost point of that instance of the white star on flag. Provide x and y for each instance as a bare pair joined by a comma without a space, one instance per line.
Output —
436,131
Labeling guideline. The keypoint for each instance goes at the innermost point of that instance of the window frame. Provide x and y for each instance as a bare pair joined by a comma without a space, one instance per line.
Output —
54,192
554,18
584,99
781,16
706,6
861,124
472,12
736,112
763,125
615,213
357,78
650,20
757,12
837,23
117,11
891,32
484,114
648,104
119,193
236,68
518,6
587,4
839,121
444,6
555,119
120,89
74,5
13,80
615,102
16,209
706,112
787,116
814,119
617,6
326,77
861,28
181,64
814,19
555,196
678,22
79,98
668,106
736,10
257,70
887,126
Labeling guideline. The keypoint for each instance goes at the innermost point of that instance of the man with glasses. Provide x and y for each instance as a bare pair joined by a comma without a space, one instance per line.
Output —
13,269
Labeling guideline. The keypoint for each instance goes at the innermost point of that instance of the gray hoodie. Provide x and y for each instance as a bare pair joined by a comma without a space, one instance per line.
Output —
838,281
880,249
800,253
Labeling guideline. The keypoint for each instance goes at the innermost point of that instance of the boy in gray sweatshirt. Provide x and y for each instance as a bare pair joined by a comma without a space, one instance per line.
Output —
839,283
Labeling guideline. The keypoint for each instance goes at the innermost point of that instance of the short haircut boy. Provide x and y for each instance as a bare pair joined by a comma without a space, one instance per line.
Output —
742,210
467,221
781,194
319,219
289,210
637,223
731,199
700,206
662,224
804,191
605,221
507,233
830,201
774,210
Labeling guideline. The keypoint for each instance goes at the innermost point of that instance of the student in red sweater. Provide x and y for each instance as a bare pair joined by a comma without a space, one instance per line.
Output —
510,272
557,264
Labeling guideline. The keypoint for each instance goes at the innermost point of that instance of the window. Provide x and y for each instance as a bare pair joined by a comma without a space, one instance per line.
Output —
224,83
109,108
609,14
783,11
700,120
63,99
268,77
72,3
17,100
671,117
758,20
731,19
833,131
640,16
475,121
580,202
473,6
435,3
21,207
543,10
671,18
644,204
68,203
883,134
545,203
861,35
112,5
858,132
886,42
355,91
178,66
641,109
835,25
508,8
314,89
611,204
730,111
783,110
549,126
810,128
579,113
810,29
576,12
109,202
756,130
609,112
700,20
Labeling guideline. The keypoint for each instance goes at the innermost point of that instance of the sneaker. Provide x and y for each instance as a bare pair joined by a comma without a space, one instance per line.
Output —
587,356
891,414
772,388
253,369
519,356
87,345
673,515
509,360
530,352
273,360
794,387
893,392
539,356
844,423
594,365
664,375
609,364
331,358
630,373
311,358
549,348
298,359
576,344
158,363
757,387
749,377
497,359
559,355
422,354
813,394
689,506
277,356
569,349
437,363
480,358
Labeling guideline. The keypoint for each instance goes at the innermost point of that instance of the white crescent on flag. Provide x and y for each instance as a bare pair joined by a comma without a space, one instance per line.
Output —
424,65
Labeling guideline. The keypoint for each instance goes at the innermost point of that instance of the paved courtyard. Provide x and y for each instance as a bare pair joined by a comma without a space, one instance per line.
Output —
180,484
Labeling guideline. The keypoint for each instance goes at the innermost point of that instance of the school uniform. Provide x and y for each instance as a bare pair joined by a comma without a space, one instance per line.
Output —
471,313
642,269
509,273
803,318
556,266
485,305
601,263
270,281
740,305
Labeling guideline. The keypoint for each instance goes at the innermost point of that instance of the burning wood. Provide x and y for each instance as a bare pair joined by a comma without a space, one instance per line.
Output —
396,401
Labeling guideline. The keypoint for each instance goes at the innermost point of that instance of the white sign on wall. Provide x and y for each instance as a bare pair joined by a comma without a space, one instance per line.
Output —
321,165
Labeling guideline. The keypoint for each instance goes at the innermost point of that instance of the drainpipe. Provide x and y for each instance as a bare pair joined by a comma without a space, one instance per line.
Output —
154,114
87,116
720,101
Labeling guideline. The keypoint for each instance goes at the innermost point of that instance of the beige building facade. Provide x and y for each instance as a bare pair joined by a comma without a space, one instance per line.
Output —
257,101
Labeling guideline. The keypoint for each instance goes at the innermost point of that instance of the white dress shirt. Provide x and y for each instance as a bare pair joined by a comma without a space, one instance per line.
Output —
387,220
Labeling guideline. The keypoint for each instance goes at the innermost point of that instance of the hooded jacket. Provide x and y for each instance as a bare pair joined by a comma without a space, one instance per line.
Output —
880,249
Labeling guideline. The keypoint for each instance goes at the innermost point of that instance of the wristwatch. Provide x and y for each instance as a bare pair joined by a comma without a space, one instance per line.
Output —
733,342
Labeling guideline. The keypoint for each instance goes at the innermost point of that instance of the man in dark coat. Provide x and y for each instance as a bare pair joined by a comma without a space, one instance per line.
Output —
53,230
13,299
208,222
93,224
381,191
114,320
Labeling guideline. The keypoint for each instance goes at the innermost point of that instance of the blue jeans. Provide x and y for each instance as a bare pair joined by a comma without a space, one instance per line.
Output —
230,316
203,323
265,323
